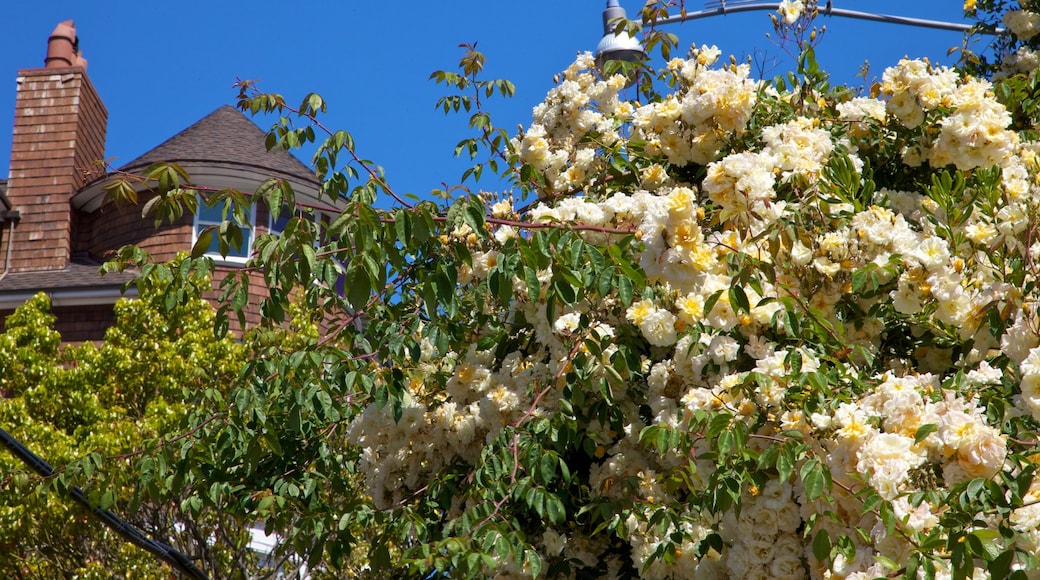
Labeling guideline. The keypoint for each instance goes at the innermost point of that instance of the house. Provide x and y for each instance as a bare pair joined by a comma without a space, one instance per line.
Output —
56,224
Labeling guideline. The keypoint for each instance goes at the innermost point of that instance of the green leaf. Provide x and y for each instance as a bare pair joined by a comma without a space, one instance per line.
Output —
785,463
564,291
533,284
626,290
767,458
725,442
1001,565
859,279
547,468
308,260
272,440
403,228
271,192
358,287
554,508
814,478
738,300
474,216
888,517
821,546
380,555
719,423
924,431
203,243
324,400
984,544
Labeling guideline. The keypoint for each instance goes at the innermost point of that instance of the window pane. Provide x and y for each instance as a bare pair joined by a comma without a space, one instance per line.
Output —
210,215
278,226
214,245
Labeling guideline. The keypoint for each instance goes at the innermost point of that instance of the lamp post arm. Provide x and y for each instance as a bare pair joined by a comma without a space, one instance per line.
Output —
826,11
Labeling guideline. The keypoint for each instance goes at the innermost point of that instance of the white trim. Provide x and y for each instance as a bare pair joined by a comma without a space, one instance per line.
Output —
262,542
61,298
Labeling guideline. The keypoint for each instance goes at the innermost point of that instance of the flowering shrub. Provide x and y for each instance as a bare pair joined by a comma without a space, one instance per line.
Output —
721,328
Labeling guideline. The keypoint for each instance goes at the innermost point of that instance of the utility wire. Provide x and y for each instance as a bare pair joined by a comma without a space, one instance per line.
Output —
164,552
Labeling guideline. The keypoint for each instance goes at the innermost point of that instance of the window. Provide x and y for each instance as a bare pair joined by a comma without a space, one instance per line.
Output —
278,226
319,217
212,216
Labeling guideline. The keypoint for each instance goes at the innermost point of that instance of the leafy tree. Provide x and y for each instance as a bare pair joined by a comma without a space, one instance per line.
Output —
83,405
718,328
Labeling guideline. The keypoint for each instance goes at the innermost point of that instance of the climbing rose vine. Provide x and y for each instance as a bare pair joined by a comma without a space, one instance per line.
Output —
719,327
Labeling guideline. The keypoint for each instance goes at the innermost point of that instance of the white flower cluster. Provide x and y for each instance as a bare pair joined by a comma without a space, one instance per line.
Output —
400,455
914,87
791,10
1026,522
976,133
1022,60
688,234
894,437
763,539
973,134
799,147
646,539
1022,23
692,125
657,324
555,143
1030,383
734,262
860,112
741,183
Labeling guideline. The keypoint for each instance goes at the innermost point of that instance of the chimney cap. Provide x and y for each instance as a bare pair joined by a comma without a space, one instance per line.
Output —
63,47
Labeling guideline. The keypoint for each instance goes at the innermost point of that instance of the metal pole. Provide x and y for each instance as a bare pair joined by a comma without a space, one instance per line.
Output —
828,10
623,47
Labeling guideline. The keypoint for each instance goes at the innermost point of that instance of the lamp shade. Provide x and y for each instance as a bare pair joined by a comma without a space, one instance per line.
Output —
616,46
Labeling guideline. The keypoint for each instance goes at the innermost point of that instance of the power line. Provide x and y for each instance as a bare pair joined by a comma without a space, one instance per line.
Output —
128,531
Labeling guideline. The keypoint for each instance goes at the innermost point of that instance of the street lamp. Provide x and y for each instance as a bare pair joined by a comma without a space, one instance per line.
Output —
625,48
616,46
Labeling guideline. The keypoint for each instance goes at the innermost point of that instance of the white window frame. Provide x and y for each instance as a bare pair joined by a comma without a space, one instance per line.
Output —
199,224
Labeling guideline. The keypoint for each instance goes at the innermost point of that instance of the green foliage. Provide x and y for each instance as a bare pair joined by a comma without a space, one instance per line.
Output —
99,410
735,329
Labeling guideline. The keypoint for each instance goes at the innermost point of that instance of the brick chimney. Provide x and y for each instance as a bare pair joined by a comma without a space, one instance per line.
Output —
59,138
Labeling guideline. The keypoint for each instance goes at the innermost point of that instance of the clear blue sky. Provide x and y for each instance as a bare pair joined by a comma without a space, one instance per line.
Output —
161,66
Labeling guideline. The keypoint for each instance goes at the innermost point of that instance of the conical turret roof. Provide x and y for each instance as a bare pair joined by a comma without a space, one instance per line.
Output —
225,137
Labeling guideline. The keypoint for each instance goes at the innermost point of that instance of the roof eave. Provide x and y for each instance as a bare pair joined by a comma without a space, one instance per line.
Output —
220,175
61,298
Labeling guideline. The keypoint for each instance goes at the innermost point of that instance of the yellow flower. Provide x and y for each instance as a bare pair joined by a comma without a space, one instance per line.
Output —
691,308
639,311
791,10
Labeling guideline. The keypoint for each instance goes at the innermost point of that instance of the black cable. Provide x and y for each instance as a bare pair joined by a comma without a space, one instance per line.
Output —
164,552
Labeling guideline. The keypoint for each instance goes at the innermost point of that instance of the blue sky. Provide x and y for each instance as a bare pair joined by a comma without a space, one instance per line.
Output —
161,66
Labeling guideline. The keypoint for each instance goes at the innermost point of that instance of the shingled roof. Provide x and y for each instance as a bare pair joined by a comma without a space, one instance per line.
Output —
79,278
225,137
